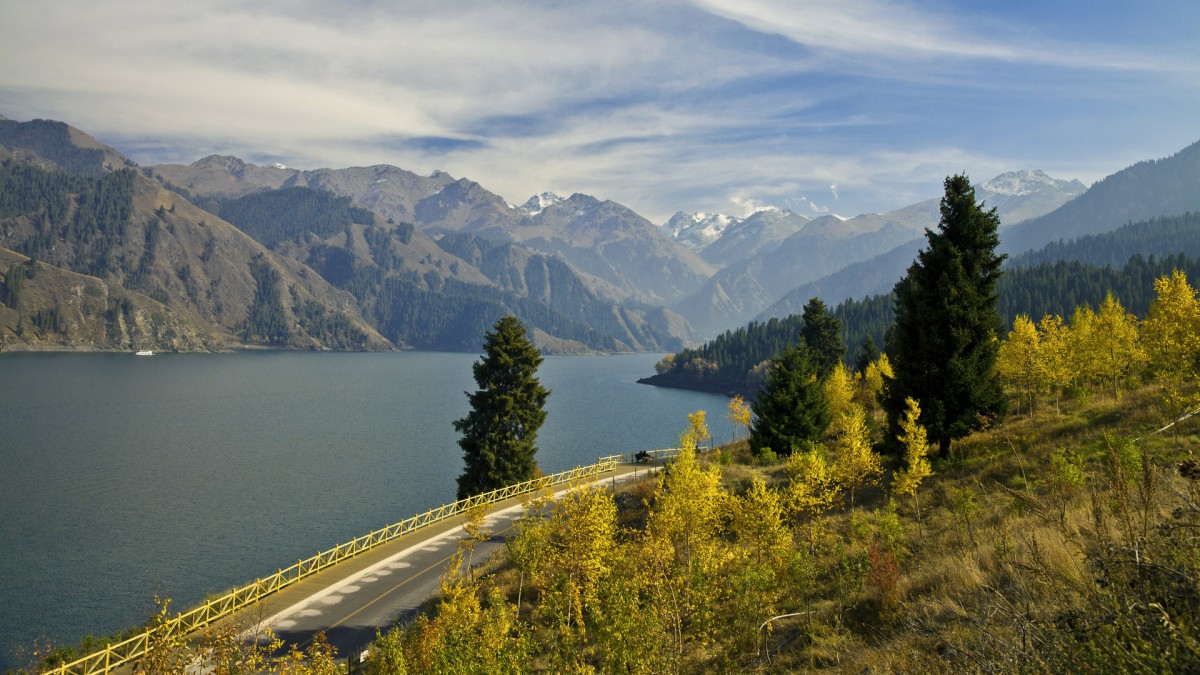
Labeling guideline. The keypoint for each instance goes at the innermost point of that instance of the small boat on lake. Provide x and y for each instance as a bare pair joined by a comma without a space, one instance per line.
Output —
144,352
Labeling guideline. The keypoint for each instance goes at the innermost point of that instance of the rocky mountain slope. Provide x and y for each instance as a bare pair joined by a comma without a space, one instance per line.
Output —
603,240
443,294
117,251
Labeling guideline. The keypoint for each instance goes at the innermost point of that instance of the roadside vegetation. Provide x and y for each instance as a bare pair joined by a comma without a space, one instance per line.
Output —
1063,539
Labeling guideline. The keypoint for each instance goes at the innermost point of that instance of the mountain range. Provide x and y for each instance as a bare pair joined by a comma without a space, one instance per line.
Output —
222,252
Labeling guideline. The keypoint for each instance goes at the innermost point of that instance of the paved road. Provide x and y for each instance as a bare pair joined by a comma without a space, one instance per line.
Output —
351,600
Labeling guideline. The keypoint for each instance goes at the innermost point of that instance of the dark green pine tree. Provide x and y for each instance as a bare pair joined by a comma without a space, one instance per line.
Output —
822,332
500,432
867,354
790,408
943,346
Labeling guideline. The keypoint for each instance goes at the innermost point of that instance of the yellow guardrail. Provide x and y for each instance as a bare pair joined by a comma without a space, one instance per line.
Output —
213,610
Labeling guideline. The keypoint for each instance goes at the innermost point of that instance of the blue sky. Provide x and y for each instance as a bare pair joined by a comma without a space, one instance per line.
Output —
844,106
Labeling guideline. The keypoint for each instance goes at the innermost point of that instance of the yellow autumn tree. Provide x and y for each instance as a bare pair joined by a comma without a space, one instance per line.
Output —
1053,355
1016,360
465,636
872,384
855,464
1172,339
757,524
738,415
916,448
1080,341
1114,345
839,393
688,506
754,580
681,532
582,530
812,488
698,429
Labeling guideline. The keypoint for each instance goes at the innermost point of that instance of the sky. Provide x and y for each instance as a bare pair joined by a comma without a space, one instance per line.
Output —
825,106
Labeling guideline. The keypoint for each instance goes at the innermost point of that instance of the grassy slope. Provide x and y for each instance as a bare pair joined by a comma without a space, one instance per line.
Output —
1018,563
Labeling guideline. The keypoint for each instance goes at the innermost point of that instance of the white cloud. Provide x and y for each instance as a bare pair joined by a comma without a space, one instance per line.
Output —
660,105
904,32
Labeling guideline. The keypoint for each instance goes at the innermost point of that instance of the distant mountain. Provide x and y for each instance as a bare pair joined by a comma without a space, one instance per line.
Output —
391,192
856,281
1020,195
603,240
538,203
443,294
124,264
1146,190
611,242
760,233
765,284
697,230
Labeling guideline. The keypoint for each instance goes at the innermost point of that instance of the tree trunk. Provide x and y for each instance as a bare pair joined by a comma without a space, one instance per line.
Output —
944,447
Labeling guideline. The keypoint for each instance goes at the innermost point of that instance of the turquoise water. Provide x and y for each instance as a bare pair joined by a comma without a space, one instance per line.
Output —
122,477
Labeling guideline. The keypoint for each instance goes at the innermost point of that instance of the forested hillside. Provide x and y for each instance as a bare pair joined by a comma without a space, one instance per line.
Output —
1035,284
151,271
1146,190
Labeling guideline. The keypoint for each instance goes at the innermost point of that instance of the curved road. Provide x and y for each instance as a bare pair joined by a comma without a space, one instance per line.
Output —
351,600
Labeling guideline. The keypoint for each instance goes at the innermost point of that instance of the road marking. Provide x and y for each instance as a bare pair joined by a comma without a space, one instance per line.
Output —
395,562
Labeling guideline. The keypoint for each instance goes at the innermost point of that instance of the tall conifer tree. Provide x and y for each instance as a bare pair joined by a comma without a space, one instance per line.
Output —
822,332
791,407
500,432
944,343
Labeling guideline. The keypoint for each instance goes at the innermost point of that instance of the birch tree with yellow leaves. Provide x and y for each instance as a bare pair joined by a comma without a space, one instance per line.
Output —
1053,355
855,464
1172,339
1017,361
916,449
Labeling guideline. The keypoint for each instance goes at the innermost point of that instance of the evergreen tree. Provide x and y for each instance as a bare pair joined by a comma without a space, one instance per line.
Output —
944,339
867,355
822,333
790,408
500,432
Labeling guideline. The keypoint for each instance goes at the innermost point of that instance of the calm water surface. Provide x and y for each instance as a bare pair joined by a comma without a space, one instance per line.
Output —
180,475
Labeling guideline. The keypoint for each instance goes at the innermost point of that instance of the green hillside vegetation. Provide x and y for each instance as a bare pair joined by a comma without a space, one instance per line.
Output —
1054,280
1159,237
159,273
276,215
1064,539
52,141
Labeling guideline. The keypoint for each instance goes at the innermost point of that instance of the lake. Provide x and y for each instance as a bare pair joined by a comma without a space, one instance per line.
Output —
123,477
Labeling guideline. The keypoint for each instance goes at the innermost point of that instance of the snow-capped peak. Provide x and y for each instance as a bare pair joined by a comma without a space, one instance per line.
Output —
539,202
1020,183
698,230
277,165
